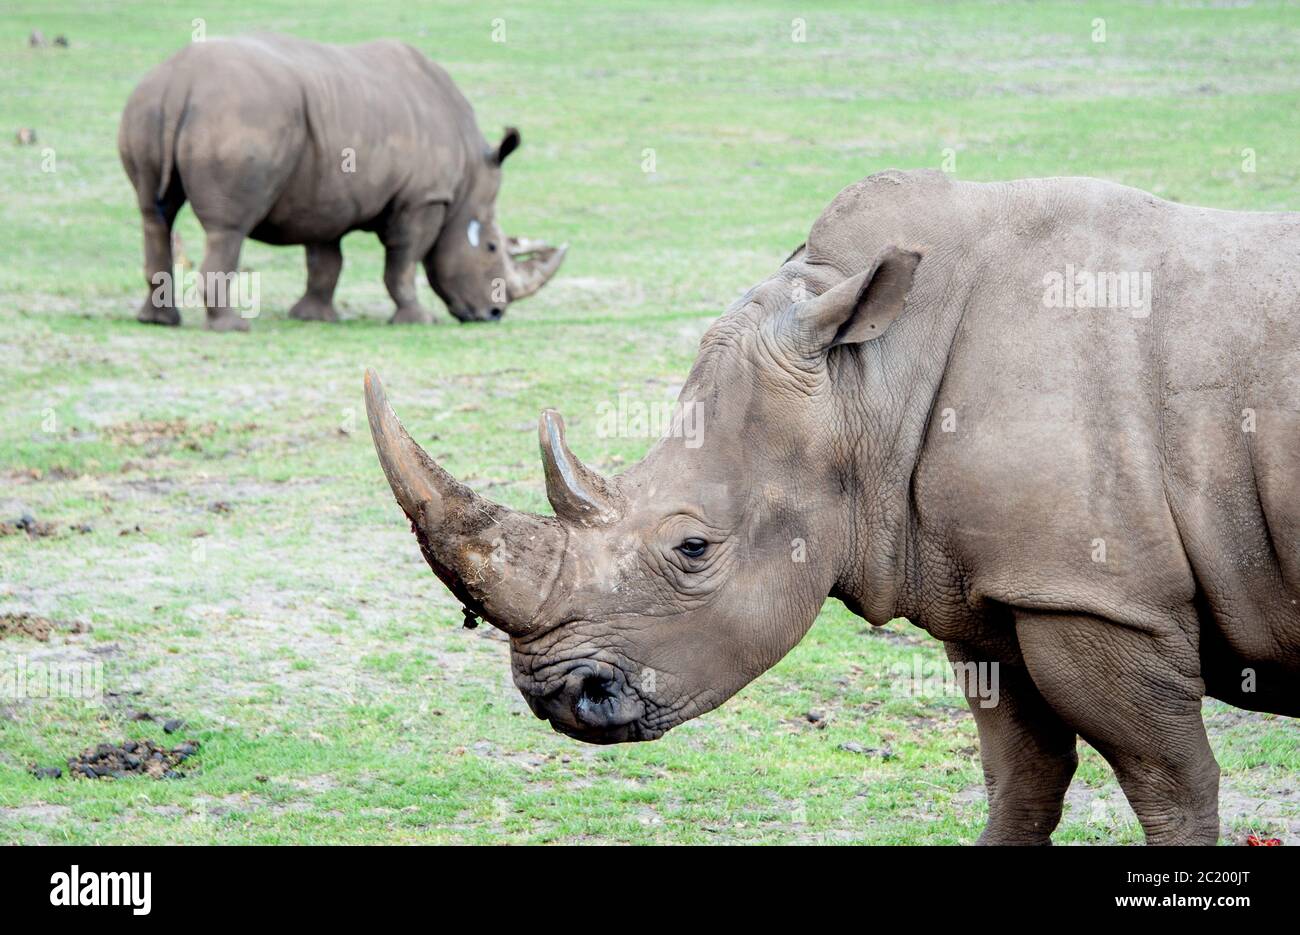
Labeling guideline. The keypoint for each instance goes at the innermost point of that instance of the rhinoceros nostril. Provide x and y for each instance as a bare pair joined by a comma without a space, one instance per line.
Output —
595,690
496,312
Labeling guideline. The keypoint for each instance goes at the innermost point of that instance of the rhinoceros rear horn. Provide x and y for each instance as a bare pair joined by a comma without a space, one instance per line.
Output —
530,265
500,563
577,493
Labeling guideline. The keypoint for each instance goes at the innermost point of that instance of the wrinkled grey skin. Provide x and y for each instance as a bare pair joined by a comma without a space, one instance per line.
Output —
946,446
294,142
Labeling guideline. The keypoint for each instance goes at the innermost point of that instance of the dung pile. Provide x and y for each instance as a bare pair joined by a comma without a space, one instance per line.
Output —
132,758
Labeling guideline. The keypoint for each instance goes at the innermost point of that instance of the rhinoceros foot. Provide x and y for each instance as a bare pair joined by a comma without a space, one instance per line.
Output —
152,314
411,315
312,309
227,322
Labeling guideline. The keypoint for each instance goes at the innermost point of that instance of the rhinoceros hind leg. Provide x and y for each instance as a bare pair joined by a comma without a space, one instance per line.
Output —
159,306
324,263
222,286
1133,696
1027,751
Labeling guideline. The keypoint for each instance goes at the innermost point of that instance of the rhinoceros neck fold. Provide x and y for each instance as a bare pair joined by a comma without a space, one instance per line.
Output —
888,389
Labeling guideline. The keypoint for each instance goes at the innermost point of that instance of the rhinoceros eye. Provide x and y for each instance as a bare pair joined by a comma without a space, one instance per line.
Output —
693,548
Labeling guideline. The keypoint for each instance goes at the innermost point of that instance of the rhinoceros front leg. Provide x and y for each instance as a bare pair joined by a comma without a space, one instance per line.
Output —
1136,697
220,279
399,276
409,236
1027,751
324,263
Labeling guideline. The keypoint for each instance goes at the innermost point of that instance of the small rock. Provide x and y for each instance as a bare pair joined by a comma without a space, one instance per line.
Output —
46,772
173,725
814,716
885,753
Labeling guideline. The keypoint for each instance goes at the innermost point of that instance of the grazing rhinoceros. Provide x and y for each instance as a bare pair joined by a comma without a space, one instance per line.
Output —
1056,423
293,142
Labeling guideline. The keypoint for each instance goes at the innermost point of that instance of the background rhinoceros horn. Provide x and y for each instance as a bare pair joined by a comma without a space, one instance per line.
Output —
500,563
530,265
577,493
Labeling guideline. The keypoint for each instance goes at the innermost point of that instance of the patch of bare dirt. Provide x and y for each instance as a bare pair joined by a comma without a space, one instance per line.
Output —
38,812
159,434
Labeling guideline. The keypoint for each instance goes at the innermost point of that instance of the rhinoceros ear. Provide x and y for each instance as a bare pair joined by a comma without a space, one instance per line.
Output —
509,143
863,306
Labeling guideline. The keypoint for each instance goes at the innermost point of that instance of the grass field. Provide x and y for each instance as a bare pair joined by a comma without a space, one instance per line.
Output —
225,550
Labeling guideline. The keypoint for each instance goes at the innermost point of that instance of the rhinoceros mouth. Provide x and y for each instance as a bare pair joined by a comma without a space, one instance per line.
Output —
591,700
626,733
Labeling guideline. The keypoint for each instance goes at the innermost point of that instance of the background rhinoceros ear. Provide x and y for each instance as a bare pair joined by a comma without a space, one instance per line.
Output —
863,306
509,143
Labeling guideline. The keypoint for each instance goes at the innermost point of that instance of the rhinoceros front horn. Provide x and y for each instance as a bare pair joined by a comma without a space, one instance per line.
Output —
499,562
530,265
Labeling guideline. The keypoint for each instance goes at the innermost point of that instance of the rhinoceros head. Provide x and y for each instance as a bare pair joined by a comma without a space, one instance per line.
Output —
473,267
653,596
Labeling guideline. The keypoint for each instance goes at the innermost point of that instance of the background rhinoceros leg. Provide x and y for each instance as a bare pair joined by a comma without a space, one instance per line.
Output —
1136,697
221,259
408,237
158,218
399,277
1027,751
324,263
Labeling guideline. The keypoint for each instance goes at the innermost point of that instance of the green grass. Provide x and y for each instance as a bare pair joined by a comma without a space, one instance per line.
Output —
297,630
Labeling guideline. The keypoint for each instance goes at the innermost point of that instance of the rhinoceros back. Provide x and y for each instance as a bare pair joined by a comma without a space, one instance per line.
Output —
296,141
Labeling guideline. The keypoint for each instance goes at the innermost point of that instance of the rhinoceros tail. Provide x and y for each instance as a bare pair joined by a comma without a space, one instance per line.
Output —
173,114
